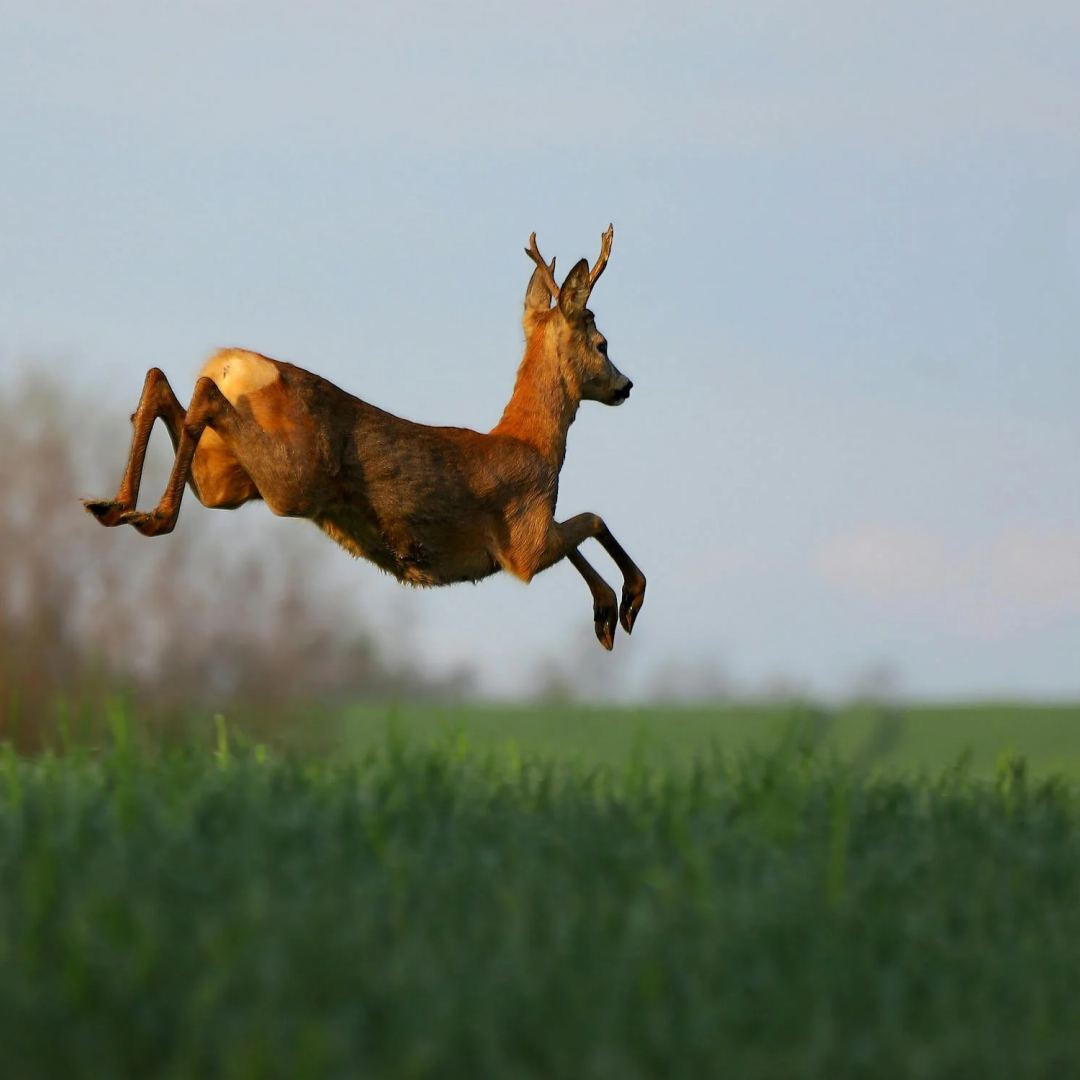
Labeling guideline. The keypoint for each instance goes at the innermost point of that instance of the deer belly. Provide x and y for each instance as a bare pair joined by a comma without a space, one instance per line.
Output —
412,557
445,564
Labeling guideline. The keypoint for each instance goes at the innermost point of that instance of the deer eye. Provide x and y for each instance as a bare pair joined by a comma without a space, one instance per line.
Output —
602,348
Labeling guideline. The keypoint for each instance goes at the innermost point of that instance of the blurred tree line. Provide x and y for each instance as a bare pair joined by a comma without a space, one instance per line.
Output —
179,624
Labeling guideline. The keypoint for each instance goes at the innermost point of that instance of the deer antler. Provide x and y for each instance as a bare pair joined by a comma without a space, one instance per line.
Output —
605,254
547,271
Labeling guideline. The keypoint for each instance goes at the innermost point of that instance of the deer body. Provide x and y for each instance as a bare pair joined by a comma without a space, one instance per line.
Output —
430,505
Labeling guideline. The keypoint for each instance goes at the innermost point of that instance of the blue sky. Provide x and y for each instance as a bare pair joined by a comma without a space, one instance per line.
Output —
844,281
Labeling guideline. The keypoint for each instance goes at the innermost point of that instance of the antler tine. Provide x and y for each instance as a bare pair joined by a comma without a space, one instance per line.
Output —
605,254
549,277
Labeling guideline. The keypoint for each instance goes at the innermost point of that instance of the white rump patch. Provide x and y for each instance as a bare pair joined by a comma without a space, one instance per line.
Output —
237,372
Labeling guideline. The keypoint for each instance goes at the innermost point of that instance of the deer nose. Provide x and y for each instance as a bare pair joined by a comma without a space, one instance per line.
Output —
629,386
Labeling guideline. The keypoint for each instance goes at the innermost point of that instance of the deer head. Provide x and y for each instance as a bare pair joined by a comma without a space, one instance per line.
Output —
570,327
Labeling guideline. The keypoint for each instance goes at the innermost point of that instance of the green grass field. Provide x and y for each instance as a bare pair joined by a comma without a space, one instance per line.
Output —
560,893
908,738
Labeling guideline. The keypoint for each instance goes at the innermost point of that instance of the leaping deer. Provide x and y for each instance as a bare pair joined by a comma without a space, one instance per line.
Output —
430,505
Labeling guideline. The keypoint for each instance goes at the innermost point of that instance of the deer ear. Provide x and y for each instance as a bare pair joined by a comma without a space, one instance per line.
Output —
538,295
574,294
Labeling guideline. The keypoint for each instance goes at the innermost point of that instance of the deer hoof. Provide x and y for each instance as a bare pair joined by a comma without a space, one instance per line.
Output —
107,511
630,606
633,597
604,620
153,524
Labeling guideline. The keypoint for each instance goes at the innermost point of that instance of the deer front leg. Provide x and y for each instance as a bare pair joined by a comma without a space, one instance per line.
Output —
633,591
157,400
565,537
209,407
604,610
583,526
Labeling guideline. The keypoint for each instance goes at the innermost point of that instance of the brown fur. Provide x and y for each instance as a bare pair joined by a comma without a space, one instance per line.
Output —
430,505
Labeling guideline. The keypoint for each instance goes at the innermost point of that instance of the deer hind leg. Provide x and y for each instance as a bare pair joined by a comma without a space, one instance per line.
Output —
564,538
208,408
157,400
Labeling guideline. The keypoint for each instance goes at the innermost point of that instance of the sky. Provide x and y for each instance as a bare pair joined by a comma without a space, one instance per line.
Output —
844,281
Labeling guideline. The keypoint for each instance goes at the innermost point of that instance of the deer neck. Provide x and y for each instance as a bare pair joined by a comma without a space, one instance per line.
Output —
544,402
